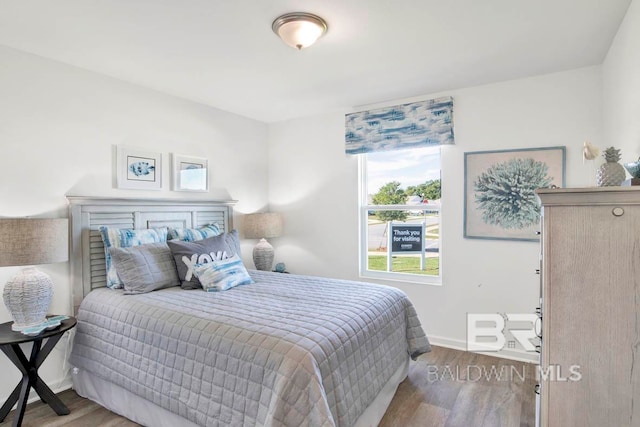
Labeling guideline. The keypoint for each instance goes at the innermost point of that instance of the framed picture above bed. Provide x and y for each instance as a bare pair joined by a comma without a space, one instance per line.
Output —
499,186
189,173
138,169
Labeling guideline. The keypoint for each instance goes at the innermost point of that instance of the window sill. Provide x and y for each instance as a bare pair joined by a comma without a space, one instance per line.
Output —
401,277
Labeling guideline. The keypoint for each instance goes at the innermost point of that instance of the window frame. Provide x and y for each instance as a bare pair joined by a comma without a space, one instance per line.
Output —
363,249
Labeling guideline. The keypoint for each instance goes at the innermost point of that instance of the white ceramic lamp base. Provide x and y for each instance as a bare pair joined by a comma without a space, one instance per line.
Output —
28,296
263,255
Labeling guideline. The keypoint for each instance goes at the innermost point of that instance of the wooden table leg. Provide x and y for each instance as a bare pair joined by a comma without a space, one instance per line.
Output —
15,354
13,398
36,360
30,378
22,402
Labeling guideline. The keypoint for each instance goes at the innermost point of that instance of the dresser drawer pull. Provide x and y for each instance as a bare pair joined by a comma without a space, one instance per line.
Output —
538,348
617,211
537,271
537,389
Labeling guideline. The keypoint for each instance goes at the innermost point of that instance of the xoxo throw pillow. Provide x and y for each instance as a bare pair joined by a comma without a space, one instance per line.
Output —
188,254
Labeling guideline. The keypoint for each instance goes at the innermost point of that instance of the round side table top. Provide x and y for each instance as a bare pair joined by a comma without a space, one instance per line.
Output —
8,336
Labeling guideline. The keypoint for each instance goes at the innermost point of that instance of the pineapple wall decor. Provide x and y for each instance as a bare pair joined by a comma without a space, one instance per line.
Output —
611,173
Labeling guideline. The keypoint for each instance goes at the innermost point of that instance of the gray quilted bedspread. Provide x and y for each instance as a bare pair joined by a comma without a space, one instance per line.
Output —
288,350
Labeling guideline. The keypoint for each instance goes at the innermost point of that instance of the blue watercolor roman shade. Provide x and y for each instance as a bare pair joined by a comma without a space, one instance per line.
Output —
418,124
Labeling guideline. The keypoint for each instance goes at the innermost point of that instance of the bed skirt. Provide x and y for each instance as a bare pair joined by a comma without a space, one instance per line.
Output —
122,402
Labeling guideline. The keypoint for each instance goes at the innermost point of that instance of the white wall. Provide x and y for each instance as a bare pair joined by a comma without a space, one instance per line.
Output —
58,127
315,185
621,84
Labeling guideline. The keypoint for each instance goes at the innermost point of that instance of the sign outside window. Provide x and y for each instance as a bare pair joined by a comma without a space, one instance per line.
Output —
406,239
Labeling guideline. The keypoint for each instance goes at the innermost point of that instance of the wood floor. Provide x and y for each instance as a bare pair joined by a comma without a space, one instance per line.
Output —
451,388
445,388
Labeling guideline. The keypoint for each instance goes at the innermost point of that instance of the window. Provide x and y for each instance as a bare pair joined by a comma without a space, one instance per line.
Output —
400,215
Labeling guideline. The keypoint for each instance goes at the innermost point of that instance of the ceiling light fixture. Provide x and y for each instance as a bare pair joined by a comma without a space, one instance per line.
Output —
299,29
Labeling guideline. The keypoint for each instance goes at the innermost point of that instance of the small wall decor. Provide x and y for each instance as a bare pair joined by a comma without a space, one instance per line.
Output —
190,173
500,200
138,169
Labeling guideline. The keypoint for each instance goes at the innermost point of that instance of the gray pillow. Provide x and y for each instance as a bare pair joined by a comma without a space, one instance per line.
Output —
145,268
233,241
188,254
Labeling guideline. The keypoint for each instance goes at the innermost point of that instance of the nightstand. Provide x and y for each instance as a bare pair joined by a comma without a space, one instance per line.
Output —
9,344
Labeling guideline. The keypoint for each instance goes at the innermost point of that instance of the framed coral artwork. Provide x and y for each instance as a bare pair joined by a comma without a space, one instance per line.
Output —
138,169
500,200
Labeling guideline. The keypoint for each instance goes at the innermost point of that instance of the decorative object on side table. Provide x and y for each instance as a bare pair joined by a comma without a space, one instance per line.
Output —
31,241
10,345
611,173
263,226
634,170
280,268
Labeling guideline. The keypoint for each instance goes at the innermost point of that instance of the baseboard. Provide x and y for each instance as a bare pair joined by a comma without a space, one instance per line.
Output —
511,354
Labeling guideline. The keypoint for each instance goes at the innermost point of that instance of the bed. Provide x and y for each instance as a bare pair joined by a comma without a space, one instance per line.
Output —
287,350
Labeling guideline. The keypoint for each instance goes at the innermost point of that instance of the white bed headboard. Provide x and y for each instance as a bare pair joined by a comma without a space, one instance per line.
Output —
88,214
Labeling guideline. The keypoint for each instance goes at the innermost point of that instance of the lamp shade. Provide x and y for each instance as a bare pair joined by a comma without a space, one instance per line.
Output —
263,225
33,241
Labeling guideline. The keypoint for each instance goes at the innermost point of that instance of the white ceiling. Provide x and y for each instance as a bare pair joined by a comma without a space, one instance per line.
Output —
224,54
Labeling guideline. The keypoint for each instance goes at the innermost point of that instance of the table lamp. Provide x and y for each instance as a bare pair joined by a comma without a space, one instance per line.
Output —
263,226
29,242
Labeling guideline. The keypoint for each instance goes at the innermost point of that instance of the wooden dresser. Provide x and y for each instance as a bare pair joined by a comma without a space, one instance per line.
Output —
590,307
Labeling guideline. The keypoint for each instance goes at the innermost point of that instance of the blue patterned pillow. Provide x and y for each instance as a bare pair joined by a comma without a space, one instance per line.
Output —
125,238
223,274
194,234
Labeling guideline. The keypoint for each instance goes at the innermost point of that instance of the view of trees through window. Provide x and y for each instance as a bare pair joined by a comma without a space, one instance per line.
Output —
403,188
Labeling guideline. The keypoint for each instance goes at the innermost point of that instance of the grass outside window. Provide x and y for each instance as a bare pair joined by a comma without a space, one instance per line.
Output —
405,264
